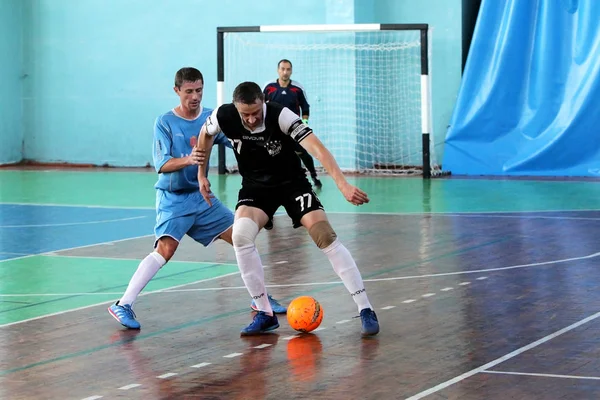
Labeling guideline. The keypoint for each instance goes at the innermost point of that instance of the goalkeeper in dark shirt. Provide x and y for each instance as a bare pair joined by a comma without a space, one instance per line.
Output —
291,94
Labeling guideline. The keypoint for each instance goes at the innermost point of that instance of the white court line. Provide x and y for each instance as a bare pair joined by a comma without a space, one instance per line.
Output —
477,271
520,217
538,264
73,223
92,398
497,361
75,248
98,293
175,289
432,213
76,206
201,365
167,375
60,294
492,214
12,253
233,355
133,259
109,302
127,387
596,378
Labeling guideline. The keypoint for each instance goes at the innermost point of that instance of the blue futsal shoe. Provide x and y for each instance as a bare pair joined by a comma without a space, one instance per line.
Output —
262,323
124,314
275,305
370,325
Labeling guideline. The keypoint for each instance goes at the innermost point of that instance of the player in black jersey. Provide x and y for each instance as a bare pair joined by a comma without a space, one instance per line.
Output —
263,138
291,94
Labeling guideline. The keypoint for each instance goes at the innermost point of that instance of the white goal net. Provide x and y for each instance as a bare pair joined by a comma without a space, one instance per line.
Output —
364,91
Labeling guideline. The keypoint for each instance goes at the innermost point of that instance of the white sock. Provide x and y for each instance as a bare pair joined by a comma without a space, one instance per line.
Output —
253,275
344,265
145,272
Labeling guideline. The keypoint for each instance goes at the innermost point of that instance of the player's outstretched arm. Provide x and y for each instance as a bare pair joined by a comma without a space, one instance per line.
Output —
164,162
175,164
318,150
204,143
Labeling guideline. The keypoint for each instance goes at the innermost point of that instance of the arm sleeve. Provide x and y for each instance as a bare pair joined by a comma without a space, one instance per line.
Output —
291,125
163,141
267,92
303,102
212,123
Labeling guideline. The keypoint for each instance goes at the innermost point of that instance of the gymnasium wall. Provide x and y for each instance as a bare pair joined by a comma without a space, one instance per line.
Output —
11,131
99,72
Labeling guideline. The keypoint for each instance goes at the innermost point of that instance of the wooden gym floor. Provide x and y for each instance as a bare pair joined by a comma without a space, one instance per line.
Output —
484,288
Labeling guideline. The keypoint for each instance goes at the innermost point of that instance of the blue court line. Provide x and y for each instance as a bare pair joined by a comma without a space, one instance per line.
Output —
38,229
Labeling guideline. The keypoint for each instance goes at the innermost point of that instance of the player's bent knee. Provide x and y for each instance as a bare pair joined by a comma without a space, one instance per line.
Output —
166,246
244,232
227,235
322,234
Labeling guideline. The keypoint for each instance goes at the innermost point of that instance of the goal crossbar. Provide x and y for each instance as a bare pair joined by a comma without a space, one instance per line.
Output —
424,67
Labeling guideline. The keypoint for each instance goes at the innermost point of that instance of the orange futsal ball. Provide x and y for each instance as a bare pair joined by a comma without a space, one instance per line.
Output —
304,314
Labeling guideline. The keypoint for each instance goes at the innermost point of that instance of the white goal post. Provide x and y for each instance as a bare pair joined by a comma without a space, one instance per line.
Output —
368,87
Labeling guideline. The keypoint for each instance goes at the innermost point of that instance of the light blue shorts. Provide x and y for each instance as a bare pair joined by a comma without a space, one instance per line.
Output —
181,214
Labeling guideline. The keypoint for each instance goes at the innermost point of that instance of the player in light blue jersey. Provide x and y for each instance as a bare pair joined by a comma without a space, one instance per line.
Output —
180,208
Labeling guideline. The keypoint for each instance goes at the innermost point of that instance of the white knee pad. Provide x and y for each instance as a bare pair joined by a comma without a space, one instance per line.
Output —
244,232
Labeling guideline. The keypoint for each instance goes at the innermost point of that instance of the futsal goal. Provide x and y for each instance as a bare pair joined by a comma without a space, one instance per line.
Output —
368,87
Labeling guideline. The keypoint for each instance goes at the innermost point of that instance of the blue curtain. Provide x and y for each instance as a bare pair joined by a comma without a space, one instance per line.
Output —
529,103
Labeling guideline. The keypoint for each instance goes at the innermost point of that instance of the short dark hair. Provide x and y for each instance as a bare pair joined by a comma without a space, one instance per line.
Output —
284,60
247,93
187,74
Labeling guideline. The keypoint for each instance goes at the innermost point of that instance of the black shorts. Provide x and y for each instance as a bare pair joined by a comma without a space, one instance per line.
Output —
297,199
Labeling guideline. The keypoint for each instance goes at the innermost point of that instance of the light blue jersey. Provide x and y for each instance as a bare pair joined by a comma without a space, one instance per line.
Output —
174,137
180,208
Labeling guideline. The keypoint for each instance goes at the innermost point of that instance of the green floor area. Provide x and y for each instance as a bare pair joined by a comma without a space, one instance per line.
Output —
54,283
50,283
387,194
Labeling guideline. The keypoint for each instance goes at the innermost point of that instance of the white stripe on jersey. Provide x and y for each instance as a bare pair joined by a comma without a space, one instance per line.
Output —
212,123
296,83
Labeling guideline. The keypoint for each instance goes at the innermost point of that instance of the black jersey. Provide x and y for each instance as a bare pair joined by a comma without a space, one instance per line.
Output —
266,157
292,96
